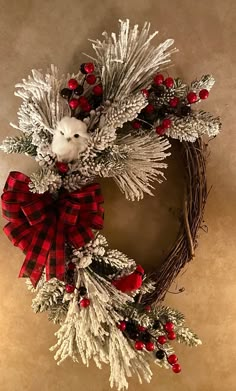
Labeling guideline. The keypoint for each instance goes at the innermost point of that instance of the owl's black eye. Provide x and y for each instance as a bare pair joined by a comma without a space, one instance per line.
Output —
62,133
76,135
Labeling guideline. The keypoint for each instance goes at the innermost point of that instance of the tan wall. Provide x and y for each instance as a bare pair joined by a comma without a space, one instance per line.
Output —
37,33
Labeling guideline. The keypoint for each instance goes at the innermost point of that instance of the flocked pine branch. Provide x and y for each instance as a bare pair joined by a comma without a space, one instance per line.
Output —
126,63
205,82
105,261
187,336
124,110
45,180
19,144
42,106
140,166
57,311
194,126
50,293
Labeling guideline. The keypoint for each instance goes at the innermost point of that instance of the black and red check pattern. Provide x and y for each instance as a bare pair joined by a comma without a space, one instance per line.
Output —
40,226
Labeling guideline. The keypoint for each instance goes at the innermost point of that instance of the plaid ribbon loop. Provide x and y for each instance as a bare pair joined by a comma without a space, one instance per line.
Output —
41,226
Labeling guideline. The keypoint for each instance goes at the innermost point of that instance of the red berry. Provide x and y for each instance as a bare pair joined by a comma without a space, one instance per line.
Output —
91,79
62,167
158,79
84,303
82,100
176,368
86,107
166,123
149,109
141,328
122,326
74,103
203,94
174,101
160,130
136,125
71,266
89,67
150,346
145,92
192,97
72,84
139,345
172,359
98,90
169,82
70,288
169,326
171,335
148,308
162,339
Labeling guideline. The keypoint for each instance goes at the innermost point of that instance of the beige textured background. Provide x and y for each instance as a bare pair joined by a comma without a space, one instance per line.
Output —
37,33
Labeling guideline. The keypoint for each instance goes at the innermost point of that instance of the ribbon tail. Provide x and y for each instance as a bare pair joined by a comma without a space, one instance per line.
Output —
37,253
55,266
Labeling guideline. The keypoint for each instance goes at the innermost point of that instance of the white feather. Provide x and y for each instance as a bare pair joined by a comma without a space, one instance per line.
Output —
70,139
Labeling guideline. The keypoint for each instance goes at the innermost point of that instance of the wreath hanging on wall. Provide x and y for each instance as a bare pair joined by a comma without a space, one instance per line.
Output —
115,118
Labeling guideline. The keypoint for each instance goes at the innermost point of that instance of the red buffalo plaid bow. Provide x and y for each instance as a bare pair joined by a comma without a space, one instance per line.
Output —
40,225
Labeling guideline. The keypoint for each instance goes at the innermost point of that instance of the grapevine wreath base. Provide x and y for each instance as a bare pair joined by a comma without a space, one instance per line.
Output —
114,118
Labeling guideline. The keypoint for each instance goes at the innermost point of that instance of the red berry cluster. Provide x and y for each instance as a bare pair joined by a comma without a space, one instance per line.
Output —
193,98
161,129
145,340
159,79
70,287
163,88
74,92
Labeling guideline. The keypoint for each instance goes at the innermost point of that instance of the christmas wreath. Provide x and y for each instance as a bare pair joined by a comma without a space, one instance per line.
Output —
115,118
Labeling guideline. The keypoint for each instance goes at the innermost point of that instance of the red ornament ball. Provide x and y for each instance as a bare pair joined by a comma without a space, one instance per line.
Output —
62,167
174,101
166,123
148,308
72,84
98,90
158,79
203,94
122,326
91,79
162,339
171,335
88,67
192,97
150,346
145,92
176,368
141,329
169,82
136,125
70,288
84,303
73,104
160,130
169,326
172,359
149,109
139,345
71,265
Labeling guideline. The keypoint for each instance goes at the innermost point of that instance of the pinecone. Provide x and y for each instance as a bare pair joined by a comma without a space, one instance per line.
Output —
75,181
45,157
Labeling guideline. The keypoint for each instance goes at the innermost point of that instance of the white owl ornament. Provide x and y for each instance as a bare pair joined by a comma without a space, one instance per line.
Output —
70,139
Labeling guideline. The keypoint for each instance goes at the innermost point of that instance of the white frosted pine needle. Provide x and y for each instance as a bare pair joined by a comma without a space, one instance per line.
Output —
127,62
